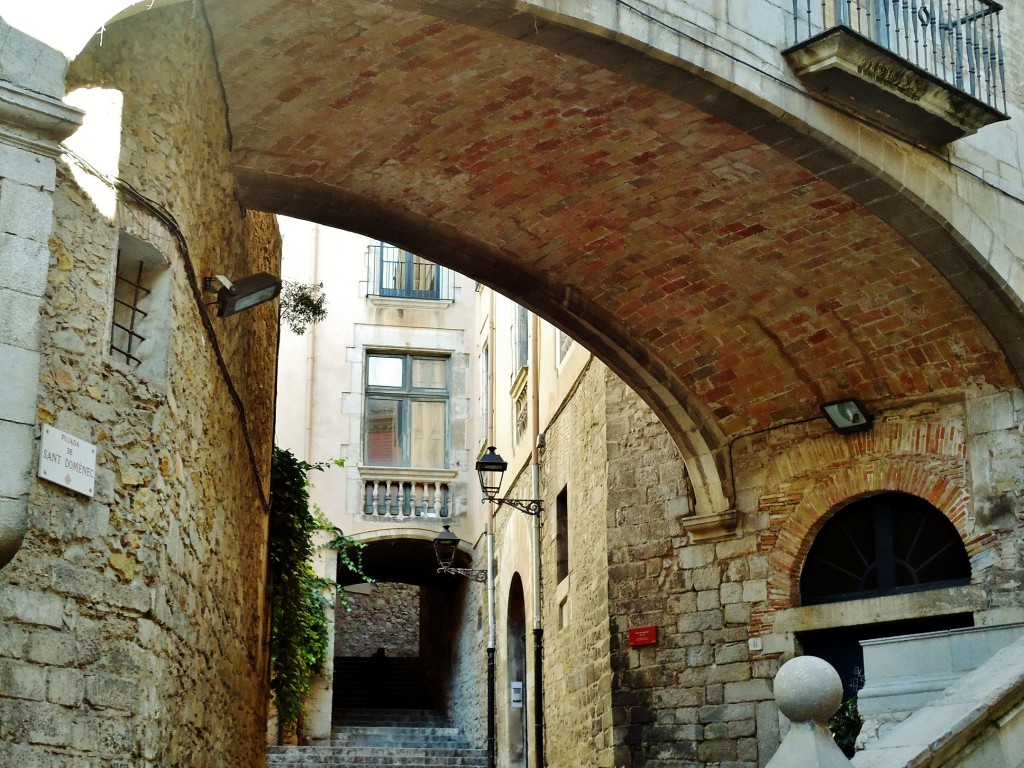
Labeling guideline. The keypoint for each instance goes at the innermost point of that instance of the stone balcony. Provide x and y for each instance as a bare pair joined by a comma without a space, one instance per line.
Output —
403,493
931,73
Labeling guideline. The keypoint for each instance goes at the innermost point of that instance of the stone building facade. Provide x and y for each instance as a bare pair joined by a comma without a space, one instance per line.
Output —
132,622
726,603
736,248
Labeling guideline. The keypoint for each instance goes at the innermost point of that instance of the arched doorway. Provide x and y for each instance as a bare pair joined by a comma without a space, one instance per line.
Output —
887,544
516,667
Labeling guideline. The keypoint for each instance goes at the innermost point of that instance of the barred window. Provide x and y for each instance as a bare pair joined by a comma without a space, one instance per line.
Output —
141,304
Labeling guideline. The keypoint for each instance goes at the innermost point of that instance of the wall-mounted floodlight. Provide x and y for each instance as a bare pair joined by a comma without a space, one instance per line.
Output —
240,295
847,416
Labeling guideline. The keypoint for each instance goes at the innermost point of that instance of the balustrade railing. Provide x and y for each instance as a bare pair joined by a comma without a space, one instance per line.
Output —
957,41
406,498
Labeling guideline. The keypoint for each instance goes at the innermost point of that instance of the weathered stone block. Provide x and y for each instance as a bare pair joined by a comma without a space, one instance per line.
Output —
54,648
22,681
705,578
24,263
707,600
702,620
731,548
107,691
716,751
51,725
748,690
755,590
21,376
697,556
25,211
31,606
731,592
727,673
737,613
19,319
65,686
30,63
732,652
102,735
992,413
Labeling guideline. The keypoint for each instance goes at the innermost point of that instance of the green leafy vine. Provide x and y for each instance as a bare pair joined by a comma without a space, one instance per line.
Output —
302,305
298,606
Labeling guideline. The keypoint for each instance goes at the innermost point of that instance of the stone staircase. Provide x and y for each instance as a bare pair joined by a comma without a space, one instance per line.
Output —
410,738
392,683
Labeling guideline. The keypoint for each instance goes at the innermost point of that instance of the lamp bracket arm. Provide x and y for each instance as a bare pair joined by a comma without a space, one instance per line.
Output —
526,506
217,283
469,573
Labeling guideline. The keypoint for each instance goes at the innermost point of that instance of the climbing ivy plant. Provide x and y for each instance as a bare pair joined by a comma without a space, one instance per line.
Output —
298,606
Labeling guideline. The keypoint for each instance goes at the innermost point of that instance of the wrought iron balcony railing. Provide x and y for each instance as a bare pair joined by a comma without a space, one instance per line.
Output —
957,41
395,273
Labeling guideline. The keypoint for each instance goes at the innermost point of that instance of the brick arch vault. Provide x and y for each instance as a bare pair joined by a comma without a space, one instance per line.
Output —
735,268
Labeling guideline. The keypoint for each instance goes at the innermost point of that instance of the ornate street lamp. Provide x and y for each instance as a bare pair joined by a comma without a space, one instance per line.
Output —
445,546
491,470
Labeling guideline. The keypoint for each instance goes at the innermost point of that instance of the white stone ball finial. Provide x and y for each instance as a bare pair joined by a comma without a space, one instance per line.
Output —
808,691
808,688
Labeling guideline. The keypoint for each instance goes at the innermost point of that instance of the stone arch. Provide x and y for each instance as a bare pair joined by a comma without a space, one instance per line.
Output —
699,339
516,739
827,497
687,312
406,555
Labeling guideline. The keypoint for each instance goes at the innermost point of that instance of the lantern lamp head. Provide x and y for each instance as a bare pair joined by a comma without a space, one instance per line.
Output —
491,469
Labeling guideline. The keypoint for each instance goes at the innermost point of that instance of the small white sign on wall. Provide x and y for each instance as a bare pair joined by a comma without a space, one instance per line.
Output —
67,460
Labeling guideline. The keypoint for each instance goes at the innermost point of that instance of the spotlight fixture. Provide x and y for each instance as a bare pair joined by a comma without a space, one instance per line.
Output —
847,416
243,294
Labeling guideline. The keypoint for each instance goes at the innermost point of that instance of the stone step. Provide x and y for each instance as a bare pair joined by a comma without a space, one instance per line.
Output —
341,739
384,738
395,681
388,718
302,757
383,761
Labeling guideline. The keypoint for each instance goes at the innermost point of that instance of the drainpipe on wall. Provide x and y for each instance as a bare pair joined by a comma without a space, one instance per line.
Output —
314,272
491,627
491,637
538,628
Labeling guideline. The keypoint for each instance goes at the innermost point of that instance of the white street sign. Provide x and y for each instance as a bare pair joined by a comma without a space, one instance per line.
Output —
67,460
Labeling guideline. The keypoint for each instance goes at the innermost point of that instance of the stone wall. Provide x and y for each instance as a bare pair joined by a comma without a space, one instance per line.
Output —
386,616
726,604
133,622
577,675
676,701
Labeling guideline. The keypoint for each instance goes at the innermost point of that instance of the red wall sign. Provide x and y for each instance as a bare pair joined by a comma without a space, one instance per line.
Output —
643,636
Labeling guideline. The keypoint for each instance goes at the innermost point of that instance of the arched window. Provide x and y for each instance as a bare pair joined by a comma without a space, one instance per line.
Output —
887,544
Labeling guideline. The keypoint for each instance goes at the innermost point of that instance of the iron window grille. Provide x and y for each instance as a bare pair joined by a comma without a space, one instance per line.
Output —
130,294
